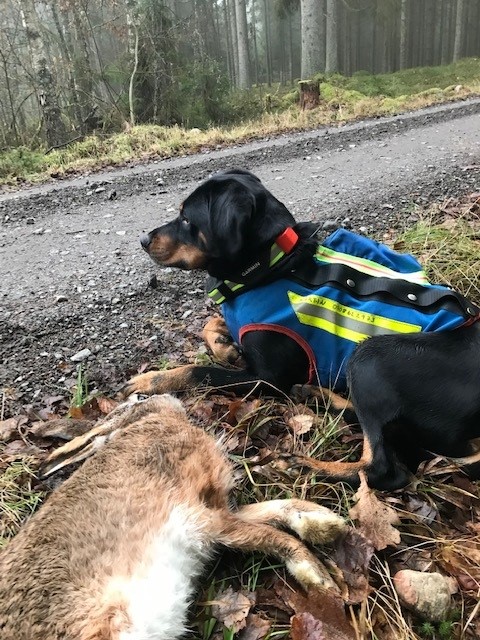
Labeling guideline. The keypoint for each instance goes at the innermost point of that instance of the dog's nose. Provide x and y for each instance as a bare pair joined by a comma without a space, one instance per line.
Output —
145,240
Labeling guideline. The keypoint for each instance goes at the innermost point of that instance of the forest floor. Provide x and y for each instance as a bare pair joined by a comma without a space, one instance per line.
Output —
75,278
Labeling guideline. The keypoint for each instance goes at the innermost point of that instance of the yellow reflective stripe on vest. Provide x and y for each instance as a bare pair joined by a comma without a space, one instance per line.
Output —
324,254
216,296
275,254
233,286
349,323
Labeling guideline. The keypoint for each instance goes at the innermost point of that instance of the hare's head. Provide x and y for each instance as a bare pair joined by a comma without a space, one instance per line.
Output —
122,416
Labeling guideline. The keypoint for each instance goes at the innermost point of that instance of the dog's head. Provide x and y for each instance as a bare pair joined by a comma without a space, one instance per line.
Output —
221,225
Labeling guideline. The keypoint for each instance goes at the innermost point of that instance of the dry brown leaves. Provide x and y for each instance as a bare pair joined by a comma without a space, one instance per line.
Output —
232,608
375,518
445,514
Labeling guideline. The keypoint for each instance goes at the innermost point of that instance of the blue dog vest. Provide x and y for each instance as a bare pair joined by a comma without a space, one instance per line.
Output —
353,288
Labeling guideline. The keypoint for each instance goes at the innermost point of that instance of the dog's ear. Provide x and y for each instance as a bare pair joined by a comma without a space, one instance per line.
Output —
232,208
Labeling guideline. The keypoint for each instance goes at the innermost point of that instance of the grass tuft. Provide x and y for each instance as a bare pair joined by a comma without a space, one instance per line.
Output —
18,498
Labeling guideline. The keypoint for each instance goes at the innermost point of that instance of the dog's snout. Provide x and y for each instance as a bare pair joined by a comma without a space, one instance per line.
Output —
145,240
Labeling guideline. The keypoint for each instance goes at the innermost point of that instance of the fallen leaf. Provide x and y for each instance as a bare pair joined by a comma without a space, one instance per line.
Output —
424,511
106,404
18,448
375,519
326,606
9,427
232,608
352,554
257,628
306,627
301,423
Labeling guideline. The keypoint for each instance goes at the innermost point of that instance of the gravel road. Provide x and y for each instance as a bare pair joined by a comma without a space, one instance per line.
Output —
75,278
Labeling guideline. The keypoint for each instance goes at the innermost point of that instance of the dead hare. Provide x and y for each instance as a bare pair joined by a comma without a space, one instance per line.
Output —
115,551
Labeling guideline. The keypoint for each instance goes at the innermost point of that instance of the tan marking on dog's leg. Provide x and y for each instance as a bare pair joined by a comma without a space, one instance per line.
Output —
329,398
310,521
332,469
153,382
217,338
472,458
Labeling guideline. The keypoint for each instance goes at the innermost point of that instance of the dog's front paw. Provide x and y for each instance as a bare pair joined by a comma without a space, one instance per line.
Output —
158,382
145,384
228,354
219,341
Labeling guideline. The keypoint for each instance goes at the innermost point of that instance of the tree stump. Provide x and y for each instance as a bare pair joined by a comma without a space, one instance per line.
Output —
309,94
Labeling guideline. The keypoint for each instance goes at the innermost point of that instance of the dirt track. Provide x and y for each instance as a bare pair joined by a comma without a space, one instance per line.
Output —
74,277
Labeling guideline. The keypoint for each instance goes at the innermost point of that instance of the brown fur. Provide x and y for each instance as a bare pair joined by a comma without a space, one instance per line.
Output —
170,252
61,576
217,338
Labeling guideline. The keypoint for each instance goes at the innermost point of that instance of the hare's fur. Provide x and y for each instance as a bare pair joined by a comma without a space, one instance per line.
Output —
114,552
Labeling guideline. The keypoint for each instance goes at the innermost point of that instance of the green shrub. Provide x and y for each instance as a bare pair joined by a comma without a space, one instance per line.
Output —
21,162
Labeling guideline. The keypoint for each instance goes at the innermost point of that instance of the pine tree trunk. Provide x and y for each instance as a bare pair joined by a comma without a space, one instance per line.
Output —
234,37
404,35
447,21
459,30
311,17
268,45
242,43
437,34
331,53
228,38
429,30
46,87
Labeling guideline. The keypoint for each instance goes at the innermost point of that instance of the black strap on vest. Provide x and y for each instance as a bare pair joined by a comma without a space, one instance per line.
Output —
363,285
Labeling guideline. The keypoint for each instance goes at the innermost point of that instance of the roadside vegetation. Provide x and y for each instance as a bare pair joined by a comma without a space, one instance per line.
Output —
251,114
437,516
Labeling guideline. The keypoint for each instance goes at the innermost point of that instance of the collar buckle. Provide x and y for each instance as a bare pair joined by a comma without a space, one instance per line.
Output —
287,240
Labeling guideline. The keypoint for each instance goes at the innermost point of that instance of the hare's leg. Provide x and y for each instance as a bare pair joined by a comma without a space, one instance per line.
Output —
310,521
300,562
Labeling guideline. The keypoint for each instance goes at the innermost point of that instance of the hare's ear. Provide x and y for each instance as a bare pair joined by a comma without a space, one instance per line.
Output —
77,450
88,443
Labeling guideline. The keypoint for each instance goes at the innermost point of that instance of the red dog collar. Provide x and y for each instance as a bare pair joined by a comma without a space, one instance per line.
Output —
287,240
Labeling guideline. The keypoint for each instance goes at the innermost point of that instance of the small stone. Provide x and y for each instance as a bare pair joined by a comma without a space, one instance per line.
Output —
30,220
100,189
363,230
428,594
111,195
81,355
61,298
38,232
153,282
330,225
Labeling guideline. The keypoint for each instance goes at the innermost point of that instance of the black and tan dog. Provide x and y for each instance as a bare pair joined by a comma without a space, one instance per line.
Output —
411,392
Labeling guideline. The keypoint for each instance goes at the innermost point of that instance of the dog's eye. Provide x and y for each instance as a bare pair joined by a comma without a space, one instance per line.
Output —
185,221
